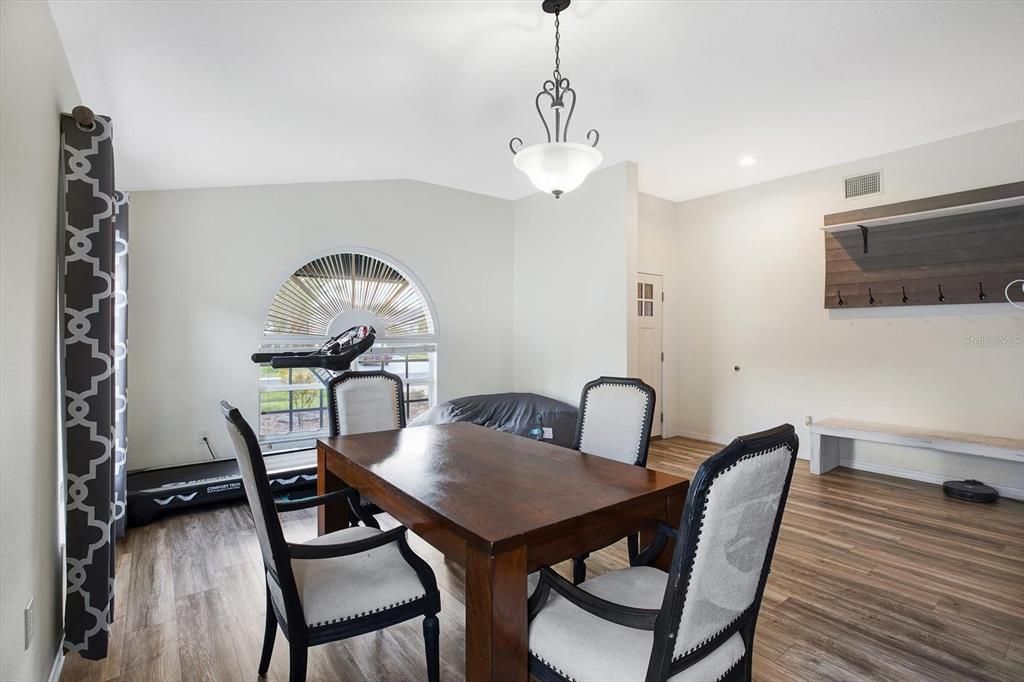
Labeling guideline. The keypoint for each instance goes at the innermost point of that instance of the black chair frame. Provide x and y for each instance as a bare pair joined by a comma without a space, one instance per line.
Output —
362,507
579,565
664,622
292,622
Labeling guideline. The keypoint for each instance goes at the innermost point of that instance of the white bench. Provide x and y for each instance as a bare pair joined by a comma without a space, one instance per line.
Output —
826,434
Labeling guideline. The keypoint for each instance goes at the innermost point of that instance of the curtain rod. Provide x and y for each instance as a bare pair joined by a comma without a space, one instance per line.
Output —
83,116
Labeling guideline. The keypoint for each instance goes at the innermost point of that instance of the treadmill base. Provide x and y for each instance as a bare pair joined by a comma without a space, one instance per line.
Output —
152,492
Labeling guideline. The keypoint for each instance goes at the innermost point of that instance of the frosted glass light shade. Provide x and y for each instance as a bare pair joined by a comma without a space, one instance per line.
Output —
557,167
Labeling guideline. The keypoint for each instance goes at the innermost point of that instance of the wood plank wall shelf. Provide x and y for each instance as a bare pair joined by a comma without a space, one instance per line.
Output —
964,247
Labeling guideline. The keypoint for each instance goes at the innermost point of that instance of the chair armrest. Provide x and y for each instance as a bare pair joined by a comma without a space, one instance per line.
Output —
663,533
665,529
629,616
300,551
306,502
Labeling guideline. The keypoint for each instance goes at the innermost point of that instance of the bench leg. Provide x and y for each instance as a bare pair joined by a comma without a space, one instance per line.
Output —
824,453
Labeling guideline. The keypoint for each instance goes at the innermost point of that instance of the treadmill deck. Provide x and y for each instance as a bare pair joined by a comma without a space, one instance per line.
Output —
152,491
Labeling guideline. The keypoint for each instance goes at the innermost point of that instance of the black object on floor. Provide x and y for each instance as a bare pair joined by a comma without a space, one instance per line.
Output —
970,490
154,491
524,414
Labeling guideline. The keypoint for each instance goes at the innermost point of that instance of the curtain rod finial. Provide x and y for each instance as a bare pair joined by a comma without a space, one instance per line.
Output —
83,115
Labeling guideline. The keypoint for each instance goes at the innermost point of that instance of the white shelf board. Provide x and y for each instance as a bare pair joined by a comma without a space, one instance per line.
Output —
922,215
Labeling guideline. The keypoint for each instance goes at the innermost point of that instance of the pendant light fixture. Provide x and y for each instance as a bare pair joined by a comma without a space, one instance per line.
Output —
557,166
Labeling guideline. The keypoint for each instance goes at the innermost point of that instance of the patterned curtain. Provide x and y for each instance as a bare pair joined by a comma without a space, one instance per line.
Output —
95,260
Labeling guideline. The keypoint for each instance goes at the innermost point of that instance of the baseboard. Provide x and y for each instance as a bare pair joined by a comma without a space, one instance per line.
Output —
722,440
708,438
58,663
923,476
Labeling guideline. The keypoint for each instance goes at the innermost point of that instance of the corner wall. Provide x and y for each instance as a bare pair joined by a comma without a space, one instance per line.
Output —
656,255
749,292
206,261
37,86
574,265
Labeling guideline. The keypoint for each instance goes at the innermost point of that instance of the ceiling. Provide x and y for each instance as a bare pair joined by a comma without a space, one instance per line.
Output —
241,93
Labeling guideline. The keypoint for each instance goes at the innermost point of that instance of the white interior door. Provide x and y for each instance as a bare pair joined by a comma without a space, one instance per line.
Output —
649,305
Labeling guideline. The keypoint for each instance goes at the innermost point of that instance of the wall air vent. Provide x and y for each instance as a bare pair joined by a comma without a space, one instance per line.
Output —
862,185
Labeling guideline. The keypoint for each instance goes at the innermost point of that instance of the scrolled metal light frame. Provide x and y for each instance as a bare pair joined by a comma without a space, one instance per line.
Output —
556,88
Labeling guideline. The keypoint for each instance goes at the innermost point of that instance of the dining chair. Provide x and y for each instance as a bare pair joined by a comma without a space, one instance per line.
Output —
615,419
339,585
361,402
695,622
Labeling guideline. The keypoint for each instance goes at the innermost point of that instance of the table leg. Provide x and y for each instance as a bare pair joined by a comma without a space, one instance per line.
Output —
673,514
496,625
333,515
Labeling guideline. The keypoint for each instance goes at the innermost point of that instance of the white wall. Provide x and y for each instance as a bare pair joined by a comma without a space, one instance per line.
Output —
749,292
574,263
204,262
36,85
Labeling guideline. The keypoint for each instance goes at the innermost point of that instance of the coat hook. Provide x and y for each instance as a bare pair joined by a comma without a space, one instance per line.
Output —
864,237
871,297
905,299
981,292
942,298
840,295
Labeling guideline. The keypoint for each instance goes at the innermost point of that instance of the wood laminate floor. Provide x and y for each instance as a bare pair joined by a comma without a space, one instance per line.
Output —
874,578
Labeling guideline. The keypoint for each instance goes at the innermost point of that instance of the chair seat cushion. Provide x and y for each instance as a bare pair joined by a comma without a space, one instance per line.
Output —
586,648
343,588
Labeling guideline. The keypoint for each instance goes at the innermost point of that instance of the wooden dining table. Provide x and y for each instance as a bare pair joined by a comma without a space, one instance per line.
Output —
500,505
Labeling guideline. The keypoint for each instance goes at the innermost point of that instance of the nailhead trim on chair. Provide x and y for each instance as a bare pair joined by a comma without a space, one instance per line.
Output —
700,537
586,406
570,678
558,670
700,644
366,613
398,398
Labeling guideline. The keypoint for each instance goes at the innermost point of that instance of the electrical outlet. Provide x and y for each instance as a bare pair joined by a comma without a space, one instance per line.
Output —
549,433
30,623
808,420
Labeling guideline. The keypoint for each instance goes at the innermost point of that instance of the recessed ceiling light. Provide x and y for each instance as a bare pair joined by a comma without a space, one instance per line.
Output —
748,161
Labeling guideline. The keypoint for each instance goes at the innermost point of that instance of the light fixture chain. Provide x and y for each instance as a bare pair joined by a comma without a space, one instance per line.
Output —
558,59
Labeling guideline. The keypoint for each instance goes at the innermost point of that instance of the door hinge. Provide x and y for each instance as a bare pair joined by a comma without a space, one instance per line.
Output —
663,357
661,417
663,296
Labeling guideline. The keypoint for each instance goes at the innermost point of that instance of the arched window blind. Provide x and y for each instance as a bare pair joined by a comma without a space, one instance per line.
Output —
322,291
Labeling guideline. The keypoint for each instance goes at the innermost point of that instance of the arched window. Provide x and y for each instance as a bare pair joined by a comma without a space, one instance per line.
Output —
322,298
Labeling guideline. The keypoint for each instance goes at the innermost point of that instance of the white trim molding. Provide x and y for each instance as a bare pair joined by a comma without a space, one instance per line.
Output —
708,438
923,476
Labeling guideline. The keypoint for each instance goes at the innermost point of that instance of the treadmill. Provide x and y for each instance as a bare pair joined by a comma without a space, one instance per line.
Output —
156,490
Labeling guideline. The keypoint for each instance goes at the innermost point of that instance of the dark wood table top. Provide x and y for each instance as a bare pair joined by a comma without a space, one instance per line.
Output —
494,489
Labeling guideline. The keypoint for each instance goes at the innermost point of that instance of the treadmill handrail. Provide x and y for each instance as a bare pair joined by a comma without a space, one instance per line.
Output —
332,355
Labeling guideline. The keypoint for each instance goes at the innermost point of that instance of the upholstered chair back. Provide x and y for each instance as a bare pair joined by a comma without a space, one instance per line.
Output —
727,538
615,419
261,501
361,402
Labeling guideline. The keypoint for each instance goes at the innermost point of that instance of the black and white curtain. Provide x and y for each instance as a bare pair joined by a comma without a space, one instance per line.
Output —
95,279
